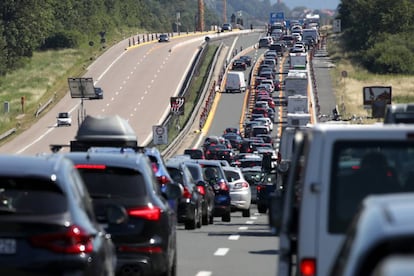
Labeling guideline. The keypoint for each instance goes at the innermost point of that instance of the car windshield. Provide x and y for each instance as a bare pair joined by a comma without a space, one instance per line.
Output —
64,115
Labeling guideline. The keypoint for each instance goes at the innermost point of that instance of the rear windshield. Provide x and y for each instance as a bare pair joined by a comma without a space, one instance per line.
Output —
31,196
360,169
231,176
195,154
114,182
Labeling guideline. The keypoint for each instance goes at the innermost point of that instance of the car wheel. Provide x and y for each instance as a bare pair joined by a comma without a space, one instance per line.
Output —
199,218
226,217
246,213
262,209
211,219
190,224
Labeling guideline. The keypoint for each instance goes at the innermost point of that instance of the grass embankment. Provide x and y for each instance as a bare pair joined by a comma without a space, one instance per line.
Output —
44,77
348,90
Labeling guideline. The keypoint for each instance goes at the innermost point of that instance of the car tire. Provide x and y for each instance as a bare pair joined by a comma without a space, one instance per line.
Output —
262,209
199,218
226,217
246,213
211,219
190,224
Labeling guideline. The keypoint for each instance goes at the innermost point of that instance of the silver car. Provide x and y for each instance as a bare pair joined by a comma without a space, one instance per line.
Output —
240,192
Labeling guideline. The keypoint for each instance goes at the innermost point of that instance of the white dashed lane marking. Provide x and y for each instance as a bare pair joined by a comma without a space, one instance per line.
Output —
234,237
249,222
204,273
221,252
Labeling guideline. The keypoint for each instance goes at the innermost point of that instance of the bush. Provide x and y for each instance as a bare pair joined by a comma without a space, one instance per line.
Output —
393,55
62,40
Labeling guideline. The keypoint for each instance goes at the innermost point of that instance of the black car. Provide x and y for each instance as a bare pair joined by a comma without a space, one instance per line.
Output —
214,175
195,153
205,189
190,205
253,176
163,38
146,240
239,64
265,187
48,225
247,60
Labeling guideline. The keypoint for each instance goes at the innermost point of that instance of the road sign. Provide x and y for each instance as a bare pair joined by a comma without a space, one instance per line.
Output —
160,135
277,17
337,26
177,105
81,87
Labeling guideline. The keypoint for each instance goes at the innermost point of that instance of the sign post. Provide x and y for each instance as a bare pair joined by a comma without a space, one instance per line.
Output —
160,135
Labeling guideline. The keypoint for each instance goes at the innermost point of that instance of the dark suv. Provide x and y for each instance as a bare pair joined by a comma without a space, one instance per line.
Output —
214,175
48,225
146,240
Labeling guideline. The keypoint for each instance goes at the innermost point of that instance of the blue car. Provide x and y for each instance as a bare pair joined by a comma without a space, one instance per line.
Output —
214,175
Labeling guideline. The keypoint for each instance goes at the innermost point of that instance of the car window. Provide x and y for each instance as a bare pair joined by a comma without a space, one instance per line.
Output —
114,182
31,196
360,169
232,175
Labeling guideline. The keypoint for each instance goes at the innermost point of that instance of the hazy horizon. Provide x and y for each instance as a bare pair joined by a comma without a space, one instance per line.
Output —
311,4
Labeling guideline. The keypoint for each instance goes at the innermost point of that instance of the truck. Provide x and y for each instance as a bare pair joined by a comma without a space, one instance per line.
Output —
298,119
297,104
296,83
298,61
235,82
332,169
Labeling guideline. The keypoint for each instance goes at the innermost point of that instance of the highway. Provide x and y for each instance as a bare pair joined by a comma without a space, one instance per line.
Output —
137,85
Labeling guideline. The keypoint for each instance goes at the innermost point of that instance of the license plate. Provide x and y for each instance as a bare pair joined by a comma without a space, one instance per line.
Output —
7,246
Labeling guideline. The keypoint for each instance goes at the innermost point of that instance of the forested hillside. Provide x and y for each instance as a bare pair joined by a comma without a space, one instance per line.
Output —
31,25
379,34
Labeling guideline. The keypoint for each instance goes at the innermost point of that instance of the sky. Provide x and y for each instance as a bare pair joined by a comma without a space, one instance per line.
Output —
311,4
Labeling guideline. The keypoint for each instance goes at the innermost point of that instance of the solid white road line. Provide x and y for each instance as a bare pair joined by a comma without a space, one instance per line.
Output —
221,252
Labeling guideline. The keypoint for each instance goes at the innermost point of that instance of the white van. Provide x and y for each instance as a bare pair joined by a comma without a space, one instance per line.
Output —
332,169
235,82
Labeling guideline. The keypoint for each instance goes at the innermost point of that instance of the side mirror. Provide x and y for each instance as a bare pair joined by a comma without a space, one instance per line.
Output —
275,211
116,214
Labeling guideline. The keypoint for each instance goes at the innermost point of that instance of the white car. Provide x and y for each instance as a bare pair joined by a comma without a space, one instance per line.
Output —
64,119
267,122
240,192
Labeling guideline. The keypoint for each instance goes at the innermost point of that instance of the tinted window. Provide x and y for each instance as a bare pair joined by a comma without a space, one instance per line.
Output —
114,181
195,154
360,169
30,196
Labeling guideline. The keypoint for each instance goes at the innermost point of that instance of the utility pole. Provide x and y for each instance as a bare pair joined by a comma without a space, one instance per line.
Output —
224,11
200,25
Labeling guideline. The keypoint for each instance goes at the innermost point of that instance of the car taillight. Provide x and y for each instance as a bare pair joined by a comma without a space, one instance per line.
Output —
72,241
223,185
154,167
259,188
186,193
241,185
91,166
201,190
308,267
163,180
149,212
